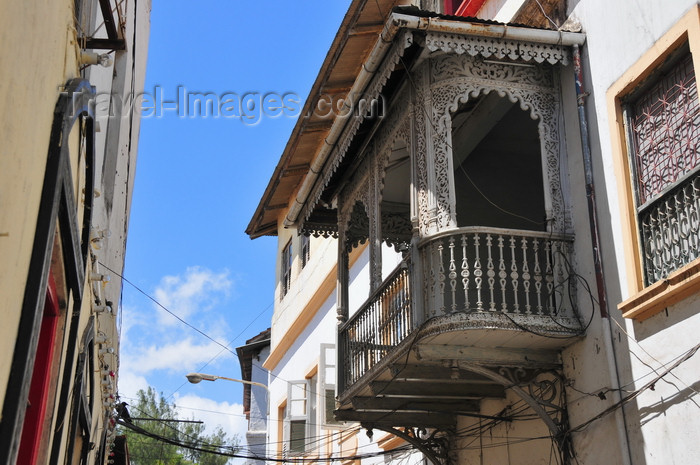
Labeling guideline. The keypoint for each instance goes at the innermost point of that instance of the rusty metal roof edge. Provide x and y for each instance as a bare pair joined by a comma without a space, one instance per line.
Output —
355,9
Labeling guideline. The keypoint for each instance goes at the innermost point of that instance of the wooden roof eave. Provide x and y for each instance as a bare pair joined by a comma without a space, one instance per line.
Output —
357,34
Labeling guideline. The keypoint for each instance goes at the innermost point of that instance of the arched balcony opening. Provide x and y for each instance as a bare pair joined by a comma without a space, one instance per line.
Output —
497,166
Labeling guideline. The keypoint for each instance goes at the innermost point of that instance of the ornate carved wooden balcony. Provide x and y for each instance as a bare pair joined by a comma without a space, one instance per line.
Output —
480,290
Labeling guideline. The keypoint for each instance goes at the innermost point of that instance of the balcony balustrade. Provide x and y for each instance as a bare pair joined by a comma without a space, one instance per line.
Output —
476,270
378,326
489,277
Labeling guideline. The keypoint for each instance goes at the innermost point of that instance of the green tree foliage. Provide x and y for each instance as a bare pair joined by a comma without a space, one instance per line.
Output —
144,450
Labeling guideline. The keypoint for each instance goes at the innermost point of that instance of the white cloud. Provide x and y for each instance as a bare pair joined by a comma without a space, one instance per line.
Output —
129,384
227,415
198,290
174,357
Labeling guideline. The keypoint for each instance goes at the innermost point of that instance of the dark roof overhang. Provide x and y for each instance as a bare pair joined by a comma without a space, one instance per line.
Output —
357,35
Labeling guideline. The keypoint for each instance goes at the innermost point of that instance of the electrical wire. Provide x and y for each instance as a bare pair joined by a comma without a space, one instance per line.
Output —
224,347
230,451
654,359
312,440
169,312
690,353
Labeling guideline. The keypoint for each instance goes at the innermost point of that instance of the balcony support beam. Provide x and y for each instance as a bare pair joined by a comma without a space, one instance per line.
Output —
525,358
433,371
558,431
374,419
433,448
424,404
452,391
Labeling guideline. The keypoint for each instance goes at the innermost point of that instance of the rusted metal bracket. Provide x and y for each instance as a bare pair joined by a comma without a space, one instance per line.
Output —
539,394
433,445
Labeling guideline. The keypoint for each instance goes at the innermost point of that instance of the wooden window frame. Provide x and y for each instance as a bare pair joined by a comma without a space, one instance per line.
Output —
646,301
294,416
305,250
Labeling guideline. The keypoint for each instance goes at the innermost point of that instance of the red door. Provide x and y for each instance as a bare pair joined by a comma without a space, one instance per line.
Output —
41,376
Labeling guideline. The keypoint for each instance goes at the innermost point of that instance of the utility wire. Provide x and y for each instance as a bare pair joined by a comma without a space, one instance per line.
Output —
636,393
224,347
169,312
231,451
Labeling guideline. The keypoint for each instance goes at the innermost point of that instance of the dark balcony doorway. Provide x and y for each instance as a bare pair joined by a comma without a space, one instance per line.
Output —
396,198
498,167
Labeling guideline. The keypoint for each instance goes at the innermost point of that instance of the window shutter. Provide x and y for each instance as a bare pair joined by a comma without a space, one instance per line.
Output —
328,376
297,414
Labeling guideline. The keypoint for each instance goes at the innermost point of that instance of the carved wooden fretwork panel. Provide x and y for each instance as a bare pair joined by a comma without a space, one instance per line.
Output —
356,206
357,230
396,127
396,230
453,81
436,205
492,47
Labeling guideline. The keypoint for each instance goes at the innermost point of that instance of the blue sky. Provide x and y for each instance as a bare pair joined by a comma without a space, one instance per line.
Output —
198,182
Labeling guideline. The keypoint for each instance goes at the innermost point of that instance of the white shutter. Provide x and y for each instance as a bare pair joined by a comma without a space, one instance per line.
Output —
297,416
328,377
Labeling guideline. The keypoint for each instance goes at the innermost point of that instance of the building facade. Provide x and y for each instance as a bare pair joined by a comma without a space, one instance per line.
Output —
488,223
255,399
70,71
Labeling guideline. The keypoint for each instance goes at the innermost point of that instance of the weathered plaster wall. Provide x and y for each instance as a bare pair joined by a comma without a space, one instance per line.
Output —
664,418
39,56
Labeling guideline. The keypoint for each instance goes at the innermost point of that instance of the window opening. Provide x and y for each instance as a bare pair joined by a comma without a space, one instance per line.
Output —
297,416
305,250
498,166
328,375
287,258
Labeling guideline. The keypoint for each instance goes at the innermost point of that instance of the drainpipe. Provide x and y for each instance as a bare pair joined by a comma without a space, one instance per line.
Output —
597,260
374,60
399,21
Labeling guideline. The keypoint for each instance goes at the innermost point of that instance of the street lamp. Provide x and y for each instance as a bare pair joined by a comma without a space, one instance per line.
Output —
195,378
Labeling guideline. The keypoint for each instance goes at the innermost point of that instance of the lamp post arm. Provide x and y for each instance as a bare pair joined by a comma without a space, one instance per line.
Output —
252,383
195,378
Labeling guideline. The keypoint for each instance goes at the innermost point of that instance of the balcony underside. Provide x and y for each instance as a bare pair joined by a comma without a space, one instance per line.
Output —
452,363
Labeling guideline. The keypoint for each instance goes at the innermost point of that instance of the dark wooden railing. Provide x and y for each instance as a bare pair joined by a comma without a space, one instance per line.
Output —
381,323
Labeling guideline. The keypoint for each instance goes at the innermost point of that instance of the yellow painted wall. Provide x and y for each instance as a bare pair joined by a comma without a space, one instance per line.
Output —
38,55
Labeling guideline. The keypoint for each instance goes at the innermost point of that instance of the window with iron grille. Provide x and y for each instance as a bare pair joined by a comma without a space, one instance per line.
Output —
663,119
286,274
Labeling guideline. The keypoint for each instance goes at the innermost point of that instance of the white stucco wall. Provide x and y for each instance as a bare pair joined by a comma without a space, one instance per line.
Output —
256,436
304,355
660,422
